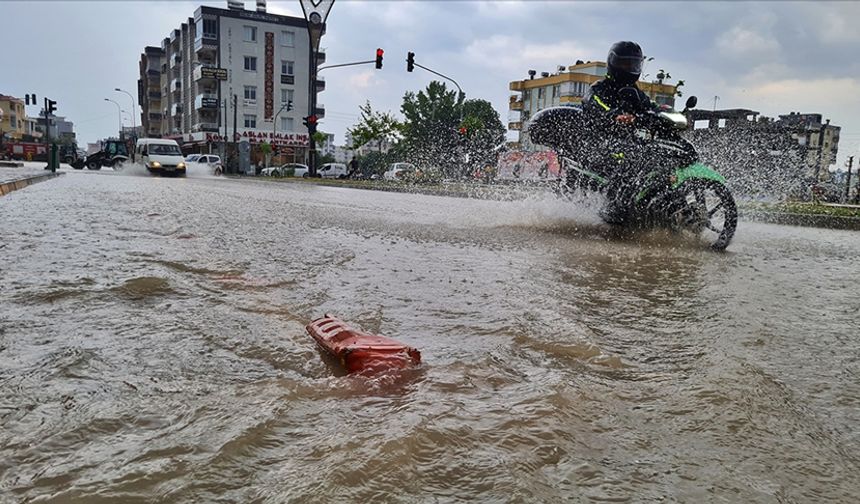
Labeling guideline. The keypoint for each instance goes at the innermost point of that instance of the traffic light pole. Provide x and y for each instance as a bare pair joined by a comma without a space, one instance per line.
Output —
461,95
47,136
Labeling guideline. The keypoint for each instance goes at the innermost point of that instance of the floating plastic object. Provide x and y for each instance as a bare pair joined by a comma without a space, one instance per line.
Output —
358,351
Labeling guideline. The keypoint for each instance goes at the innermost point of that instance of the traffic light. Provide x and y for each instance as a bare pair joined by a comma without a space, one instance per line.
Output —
310,123
462,131
410,61
30,98
289,105
52,106
379,53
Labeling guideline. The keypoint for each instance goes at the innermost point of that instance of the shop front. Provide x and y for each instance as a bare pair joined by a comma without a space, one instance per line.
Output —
286,147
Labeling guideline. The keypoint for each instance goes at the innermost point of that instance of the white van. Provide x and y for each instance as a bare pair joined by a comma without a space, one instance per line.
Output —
160,155
333,170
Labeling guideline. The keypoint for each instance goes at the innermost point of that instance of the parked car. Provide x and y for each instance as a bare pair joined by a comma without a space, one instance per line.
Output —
333,170
399,171
192,158
286,170
271,171
295,170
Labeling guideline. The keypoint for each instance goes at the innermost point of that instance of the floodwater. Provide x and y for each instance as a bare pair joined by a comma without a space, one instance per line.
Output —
152,349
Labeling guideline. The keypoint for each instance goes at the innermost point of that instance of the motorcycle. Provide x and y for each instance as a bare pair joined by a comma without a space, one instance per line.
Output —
679,192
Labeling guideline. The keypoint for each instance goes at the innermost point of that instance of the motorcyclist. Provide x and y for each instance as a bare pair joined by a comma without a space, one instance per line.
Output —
612,106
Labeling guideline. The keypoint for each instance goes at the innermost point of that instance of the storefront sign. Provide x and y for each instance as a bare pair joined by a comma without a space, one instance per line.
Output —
209,102
213,73
258,137
269,100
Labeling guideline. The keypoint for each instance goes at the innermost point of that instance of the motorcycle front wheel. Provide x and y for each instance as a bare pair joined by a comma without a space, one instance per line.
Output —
709,210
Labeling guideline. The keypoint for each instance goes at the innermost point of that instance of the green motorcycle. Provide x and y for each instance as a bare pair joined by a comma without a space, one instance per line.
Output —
687,197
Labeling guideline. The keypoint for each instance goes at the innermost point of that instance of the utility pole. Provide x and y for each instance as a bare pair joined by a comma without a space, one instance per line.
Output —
819,166
235,149
848,180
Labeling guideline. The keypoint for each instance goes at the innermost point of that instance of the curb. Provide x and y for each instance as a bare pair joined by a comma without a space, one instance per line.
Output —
804,220
7,187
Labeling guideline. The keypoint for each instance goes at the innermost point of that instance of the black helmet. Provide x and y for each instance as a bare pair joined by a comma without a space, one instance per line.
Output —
625,62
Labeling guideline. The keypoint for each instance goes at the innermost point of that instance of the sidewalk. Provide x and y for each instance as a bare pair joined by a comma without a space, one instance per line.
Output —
12,179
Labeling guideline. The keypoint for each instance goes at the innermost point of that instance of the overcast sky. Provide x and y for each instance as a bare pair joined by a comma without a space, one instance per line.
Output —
774,57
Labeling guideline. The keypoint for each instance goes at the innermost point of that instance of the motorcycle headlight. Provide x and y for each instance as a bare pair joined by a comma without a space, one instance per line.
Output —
180,165
155,164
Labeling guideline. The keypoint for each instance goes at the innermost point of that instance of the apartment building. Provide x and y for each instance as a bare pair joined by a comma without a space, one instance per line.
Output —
566,87
187,85
765,157
13,117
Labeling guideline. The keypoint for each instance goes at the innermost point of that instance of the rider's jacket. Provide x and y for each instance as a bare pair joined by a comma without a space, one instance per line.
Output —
606,99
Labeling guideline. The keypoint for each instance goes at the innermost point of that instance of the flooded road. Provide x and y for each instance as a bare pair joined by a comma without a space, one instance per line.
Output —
152,349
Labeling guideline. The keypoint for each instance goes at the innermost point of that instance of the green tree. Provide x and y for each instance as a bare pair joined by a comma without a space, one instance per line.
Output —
430,130
374,126
484,133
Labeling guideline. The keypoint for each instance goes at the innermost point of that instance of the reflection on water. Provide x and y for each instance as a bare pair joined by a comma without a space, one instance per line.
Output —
155,351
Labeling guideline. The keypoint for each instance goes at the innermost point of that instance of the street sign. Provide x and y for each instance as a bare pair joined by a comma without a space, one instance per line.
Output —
213,73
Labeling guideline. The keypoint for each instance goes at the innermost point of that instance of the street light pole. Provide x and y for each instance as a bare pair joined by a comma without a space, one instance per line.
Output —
316,12
133,112
119,115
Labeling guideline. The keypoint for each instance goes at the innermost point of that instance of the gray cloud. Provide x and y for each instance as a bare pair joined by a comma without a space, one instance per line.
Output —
771,56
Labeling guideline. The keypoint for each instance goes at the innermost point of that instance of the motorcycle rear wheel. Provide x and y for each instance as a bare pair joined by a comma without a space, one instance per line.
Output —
708,210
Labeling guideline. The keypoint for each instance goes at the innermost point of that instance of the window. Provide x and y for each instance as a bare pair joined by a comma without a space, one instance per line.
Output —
286,67
287,95
286,124
209,28
250,34
556,91
13,121
250,121
251,93
288,38
250,64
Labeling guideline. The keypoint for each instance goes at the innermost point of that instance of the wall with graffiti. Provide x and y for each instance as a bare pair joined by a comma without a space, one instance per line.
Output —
532,166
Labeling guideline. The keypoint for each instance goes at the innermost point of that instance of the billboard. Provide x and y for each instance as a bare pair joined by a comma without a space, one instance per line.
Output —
532,166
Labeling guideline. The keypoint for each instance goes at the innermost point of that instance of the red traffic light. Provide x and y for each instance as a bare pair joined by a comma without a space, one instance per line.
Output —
312,119
462,130
379,53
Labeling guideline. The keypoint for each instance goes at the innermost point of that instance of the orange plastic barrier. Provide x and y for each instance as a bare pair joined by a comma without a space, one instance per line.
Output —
358,351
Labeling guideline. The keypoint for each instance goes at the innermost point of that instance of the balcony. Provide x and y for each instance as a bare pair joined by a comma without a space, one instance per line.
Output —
175,59
320,111
176,109
205,45
206,101
176,85
516,105
320,56
153,73
320,84
154,95
517,86
155,116
515,125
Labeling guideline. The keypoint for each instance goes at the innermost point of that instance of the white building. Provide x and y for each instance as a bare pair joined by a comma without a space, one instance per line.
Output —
261,59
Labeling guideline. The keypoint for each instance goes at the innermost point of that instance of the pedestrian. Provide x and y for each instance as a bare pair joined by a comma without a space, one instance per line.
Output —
353,168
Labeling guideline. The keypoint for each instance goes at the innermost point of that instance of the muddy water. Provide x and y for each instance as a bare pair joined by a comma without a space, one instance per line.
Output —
152,350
